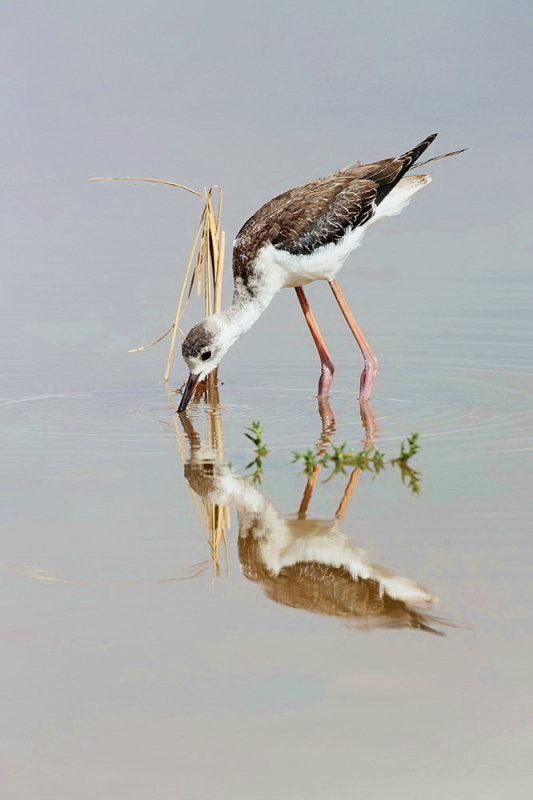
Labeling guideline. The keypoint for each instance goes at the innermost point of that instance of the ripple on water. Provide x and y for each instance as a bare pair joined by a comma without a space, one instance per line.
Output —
487,415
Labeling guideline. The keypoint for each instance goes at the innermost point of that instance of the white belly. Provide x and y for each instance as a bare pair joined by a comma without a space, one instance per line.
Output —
289,270
280,270
323,264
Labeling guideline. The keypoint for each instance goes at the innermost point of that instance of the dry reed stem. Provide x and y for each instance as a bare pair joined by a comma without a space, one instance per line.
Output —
175,325
156,341
209,249
220,270
152,180
207,255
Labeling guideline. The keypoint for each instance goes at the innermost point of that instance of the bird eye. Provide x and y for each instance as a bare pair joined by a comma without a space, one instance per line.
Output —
206,355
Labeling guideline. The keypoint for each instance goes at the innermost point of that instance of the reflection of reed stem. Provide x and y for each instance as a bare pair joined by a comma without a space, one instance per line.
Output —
181,452
219,515
215,520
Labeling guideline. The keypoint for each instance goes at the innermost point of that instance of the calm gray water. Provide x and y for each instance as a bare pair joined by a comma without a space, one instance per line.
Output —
137,665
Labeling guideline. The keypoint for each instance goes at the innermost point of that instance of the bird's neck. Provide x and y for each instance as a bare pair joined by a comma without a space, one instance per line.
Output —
247,306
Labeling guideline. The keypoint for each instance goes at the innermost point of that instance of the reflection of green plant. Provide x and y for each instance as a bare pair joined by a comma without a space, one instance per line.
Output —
412,450
328,454
256,437
370,459
309,458
409,476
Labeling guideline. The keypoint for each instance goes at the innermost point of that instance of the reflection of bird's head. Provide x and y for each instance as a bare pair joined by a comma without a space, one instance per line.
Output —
203,475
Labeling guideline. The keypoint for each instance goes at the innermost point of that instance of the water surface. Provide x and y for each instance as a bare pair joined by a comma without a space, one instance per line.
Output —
142,658
143,654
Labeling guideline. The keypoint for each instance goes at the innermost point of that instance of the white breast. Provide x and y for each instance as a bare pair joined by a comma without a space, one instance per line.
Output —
321,265
280,269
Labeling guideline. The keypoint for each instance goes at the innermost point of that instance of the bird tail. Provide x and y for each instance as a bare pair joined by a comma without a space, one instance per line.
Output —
438,158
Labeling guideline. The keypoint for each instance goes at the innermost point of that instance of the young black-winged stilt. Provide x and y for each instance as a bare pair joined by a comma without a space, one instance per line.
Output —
301,236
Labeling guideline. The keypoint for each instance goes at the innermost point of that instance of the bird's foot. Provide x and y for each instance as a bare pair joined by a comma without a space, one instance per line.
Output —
325,381
368,376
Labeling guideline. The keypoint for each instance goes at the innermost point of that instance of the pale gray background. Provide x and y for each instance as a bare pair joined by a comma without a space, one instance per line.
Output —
122,687
255,97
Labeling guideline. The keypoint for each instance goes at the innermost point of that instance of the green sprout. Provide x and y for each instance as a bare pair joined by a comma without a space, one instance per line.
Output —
370,459
255,435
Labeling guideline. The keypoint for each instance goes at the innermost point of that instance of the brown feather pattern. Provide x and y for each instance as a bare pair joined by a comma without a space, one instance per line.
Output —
329,590
322,211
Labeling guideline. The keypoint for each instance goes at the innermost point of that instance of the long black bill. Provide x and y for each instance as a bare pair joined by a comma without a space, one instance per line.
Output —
188,392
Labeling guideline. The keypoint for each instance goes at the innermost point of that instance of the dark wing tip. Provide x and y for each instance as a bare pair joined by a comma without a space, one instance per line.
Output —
414,154
426,142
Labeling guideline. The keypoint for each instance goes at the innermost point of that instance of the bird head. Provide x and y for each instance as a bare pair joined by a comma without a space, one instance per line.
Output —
203,349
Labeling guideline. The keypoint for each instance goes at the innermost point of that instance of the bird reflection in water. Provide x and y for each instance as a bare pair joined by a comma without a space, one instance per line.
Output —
301,561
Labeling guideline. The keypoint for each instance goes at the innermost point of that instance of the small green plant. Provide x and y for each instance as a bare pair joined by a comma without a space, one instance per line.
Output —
370,459
255,435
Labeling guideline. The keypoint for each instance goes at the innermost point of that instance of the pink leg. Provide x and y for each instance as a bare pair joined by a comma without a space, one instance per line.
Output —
368,375
327,367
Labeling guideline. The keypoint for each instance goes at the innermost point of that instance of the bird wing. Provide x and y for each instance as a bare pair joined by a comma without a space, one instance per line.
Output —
302,230
322,211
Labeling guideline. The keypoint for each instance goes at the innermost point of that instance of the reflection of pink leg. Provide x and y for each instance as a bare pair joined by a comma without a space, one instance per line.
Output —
326,415
368,375
368,419
347,496
308,492
327,367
